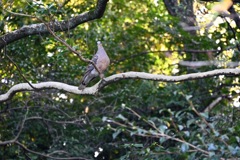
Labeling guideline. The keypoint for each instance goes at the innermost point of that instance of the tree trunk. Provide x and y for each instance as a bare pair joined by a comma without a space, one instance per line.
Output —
183,9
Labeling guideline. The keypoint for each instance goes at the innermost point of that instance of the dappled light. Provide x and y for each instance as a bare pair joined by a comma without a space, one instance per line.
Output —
171,90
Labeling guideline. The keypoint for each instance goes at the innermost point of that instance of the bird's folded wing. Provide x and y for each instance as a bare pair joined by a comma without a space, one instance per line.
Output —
90,67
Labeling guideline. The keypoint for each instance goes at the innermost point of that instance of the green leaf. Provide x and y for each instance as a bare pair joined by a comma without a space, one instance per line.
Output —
180,127
137,145
120,116
187,133
116,133
205,115
163,128
191,121
234,150
184,147
211,147
104,119
162,139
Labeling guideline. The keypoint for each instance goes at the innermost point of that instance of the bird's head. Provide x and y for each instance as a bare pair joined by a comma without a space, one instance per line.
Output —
99,42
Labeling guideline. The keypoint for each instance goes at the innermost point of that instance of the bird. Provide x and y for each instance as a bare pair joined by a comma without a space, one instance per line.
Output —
101,61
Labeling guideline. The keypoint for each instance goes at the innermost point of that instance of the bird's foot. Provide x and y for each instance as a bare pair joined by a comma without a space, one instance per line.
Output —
101,76
81,87
103,81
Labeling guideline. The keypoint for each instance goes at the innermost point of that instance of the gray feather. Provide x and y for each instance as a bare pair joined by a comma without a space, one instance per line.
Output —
101,60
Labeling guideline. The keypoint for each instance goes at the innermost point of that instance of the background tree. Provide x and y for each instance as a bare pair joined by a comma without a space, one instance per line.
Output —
180,102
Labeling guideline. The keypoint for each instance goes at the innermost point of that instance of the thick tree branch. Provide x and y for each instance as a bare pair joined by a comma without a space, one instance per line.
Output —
112,79
171,6
55,26
183,10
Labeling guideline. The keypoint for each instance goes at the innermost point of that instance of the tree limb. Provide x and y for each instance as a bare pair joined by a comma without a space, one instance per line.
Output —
197,64
65,25
112,79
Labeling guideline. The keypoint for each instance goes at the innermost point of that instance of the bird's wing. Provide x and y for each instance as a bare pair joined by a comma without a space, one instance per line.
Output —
101,61
91,67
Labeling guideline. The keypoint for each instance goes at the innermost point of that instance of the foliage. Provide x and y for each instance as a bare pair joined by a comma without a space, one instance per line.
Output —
131,119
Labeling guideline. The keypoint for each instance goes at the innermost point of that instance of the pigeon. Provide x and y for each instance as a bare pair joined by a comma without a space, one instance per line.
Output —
101,60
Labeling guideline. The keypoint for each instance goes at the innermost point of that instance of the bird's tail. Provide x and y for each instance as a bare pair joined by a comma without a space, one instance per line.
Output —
82,86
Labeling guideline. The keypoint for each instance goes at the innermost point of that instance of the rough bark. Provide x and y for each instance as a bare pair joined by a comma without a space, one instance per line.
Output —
182,9
56,26
113,79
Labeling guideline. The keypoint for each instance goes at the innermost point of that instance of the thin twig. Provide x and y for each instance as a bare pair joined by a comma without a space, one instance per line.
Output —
70,48
20,73
161,134
38,28
58,38
212,104
19,132
47,155
52,121
19,14
204,120
176,128
234,33
171,51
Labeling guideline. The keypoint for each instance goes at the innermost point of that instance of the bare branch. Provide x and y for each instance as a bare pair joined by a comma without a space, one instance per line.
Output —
157,132
213,104
208,63
15,140
204,121
76,121
70,48
112,79
46,155
50,29
57,25
18,134
19,71
170,52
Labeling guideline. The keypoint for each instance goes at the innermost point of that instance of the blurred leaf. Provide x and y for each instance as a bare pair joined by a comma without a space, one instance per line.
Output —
211,147
184,147
116,133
